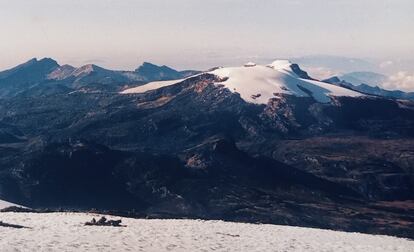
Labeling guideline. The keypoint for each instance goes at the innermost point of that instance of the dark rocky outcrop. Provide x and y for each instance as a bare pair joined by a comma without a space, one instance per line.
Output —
302,74
104,222
7,225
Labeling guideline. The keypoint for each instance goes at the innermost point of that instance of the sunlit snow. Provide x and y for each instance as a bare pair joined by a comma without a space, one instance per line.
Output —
66,232
151,86
5,204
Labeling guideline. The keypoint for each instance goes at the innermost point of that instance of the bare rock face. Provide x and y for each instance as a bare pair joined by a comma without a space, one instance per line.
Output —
104,222
8,225
61,73
302,74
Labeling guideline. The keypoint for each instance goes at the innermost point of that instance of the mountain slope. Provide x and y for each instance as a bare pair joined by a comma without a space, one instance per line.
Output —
34,68
25,76
92,77
62,72
395,94
152,72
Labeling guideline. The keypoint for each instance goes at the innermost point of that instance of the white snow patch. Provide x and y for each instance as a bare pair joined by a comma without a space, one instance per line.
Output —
5,204
260,83
151,86
66,232
259,80
250,64
281,65
268,81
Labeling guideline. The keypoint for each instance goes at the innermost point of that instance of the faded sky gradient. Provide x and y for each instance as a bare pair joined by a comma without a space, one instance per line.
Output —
199,34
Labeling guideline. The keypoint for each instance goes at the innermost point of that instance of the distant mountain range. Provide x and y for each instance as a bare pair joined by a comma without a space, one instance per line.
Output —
368,78
367,83
47,76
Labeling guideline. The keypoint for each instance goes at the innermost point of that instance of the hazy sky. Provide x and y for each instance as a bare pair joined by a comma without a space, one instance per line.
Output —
198,33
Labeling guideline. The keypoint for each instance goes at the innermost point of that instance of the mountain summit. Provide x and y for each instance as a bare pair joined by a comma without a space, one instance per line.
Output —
153,72
24,76
33,69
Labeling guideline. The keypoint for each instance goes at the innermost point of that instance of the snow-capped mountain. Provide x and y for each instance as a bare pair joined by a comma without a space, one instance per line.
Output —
46,76
257,83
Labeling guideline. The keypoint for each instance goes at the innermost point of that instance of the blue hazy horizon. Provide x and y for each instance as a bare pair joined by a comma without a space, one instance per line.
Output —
200,34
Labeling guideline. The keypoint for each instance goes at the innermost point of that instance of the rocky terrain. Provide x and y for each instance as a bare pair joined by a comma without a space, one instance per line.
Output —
198,149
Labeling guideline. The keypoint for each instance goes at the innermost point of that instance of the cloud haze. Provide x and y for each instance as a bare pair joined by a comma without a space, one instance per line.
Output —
195,33
400,81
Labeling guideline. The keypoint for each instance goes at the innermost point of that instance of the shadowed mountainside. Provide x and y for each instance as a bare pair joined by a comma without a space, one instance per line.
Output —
195,149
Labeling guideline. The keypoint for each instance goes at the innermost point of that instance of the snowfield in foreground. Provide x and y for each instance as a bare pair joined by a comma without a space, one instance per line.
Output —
66,232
